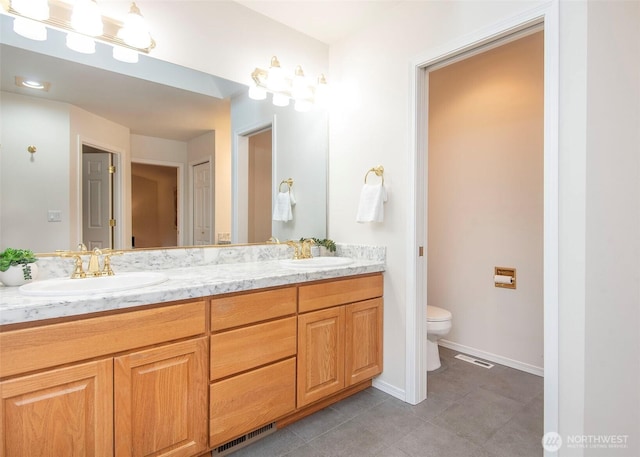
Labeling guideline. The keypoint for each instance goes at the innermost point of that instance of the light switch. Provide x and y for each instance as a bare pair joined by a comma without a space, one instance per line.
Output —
54,215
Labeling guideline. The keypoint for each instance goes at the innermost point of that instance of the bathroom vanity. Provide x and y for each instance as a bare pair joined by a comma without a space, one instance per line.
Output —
254,347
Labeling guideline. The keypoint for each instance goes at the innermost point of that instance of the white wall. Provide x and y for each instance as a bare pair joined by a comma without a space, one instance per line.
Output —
58,131
27,180
225,38
612,311
369,126
599,198
300,152
485,201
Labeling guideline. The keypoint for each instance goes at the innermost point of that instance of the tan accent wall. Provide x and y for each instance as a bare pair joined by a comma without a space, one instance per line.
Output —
485,197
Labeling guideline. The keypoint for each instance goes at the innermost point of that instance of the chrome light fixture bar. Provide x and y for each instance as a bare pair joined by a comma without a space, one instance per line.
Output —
284,88
84,26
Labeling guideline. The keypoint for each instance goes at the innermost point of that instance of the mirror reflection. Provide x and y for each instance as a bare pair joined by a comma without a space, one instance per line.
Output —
196,161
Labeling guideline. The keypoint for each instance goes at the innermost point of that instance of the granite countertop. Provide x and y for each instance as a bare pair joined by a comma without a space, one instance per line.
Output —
183,283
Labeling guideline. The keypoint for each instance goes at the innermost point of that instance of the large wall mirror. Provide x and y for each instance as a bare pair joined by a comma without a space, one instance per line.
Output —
196,161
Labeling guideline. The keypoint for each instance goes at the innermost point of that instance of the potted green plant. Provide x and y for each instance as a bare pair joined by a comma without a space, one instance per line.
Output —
326,247
17,266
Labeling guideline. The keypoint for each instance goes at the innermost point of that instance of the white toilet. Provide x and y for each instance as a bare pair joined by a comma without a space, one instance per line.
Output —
438,325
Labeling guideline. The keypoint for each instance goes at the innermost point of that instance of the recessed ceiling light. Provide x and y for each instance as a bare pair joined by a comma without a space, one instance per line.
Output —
32,84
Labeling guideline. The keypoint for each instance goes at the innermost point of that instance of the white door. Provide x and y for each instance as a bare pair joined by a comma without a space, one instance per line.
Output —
202,204
97,231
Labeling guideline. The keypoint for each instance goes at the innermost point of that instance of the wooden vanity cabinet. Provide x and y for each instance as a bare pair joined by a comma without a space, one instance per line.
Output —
181,378
65,411
252,361
64,385
339,335
160,400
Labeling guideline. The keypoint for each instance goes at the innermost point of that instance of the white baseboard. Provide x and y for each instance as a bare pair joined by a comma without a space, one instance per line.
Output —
389,389
538,371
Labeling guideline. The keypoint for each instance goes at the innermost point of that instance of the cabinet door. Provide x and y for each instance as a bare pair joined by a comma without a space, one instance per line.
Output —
320,354
363,345
161,401
61,412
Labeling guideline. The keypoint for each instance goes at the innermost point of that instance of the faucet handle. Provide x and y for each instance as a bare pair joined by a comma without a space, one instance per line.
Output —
106,267
296,249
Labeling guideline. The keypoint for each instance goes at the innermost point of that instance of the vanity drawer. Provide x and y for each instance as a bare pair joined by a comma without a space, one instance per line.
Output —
250,400
249,347
339,292
246,308
46,346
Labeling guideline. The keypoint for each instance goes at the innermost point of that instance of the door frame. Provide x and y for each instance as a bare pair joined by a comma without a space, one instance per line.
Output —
416,334
241,149
118,191
180,184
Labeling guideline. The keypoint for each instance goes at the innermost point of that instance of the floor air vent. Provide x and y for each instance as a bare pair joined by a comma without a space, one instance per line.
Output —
244,440
480,363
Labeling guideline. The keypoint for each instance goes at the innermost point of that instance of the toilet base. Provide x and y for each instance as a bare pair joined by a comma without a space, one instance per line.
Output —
433,355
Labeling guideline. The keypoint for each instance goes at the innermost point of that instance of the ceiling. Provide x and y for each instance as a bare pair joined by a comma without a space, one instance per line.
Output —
328,21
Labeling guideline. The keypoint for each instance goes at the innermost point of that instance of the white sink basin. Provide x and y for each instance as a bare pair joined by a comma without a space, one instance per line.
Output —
317,262
85,286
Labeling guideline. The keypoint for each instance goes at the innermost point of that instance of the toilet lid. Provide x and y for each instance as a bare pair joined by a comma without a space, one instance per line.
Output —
436,314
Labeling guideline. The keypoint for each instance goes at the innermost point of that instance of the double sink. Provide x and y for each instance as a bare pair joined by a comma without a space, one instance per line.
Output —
135,280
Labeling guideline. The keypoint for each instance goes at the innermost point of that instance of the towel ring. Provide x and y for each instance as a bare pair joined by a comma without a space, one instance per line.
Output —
379,171
289,182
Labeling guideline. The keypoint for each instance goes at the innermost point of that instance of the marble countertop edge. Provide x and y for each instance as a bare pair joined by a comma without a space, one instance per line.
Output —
183,284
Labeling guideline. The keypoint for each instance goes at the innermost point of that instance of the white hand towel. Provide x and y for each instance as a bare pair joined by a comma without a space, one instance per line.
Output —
370,208
282,207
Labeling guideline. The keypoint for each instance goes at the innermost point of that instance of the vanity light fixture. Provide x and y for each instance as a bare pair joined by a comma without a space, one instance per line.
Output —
31,12
283,88
84,24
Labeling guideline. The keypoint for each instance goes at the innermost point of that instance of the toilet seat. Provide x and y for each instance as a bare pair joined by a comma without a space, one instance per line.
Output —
435,314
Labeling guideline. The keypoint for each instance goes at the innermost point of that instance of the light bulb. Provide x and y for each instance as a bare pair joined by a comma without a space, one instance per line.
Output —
257,93
30,29
86,18
135,31
81,43
280,100
322,91
125,54
275,78
35,9
300,87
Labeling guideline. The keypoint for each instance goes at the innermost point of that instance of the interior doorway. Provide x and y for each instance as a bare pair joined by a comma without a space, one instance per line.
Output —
485,200
253,185
416,375
98,219
154,205
259,189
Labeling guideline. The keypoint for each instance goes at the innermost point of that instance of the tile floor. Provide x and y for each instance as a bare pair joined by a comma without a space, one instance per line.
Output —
470,412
